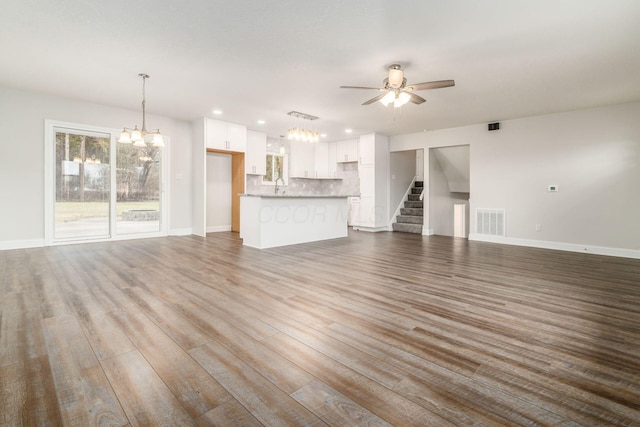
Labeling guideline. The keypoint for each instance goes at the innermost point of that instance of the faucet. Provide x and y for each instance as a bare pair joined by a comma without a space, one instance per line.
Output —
281,180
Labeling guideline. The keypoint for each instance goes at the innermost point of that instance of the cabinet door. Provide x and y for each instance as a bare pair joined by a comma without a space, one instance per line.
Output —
367,212
321,160
367,149
301,162
216,134
332,166
236,137
347,151
367,176
256,154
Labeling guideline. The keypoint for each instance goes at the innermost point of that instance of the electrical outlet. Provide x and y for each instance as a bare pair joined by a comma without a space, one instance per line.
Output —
538,227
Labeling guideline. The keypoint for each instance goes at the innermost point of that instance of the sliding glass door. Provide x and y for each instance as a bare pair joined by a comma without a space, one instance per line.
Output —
82,185
138,189
90,199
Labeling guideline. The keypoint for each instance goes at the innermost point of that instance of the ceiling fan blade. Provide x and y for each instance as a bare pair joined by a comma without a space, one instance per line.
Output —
360,87
431,85
415,98
372,100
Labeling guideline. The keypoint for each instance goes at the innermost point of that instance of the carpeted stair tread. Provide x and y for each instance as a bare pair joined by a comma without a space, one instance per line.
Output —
410,219
413,204
408,228
411,211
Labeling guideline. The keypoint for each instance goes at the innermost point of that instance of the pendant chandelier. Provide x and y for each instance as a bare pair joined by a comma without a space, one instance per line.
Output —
137,136
300,133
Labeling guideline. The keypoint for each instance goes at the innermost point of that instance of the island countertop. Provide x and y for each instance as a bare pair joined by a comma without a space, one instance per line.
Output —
298,196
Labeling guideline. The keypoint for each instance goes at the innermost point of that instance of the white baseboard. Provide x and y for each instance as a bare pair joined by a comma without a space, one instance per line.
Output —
218,228
21,244
371,229
427,231
180,232
559,246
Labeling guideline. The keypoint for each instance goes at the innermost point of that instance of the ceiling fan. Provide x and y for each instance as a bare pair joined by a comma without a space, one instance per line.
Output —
397,91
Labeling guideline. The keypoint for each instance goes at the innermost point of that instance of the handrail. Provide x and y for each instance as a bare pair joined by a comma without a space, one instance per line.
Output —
421,195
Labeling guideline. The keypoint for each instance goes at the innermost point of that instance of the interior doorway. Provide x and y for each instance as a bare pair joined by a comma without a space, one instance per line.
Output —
224,184
448,190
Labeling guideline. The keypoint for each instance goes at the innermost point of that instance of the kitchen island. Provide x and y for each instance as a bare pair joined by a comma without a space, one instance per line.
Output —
268,221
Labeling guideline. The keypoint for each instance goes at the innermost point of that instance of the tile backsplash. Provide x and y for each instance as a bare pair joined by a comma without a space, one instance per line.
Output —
347,185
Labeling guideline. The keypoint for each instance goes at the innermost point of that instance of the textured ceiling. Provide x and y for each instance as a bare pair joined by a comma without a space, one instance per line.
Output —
259,59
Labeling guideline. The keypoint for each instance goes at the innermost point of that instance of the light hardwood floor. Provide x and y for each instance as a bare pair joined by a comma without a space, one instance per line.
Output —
371,330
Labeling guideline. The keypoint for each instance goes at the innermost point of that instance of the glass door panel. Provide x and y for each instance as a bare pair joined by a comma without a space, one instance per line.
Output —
138,189
82,185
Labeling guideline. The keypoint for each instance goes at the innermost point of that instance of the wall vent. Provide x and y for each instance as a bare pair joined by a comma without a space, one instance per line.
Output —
490,222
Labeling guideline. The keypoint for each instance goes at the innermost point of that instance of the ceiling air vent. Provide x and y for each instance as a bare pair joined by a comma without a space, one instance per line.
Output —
490,222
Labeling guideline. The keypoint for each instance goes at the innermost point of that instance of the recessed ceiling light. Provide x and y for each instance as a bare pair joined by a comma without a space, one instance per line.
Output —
217,112
323,135
261,122
348,130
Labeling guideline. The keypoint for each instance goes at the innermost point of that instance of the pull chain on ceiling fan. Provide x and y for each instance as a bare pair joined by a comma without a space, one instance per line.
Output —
397,91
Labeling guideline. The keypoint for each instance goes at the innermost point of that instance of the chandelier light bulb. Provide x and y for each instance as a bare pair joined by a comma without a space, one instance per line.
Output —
158,141
136,135
125,138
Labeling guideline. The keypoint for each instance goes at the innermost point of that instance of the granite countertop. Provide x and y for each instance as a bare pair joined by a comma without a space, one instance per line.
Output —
298,196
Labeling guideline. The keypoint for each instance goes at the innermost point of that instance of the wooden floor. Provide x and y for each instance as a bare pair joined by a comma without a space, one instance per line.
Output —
375,329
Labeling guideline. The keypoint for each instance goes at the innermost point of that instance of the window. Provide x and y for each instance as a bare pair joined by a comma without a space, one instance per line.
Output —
276,168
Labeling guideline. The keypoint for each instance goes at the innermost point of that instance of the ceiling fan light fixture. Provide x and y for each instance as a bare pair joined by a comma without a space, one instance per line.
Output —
395,76
388,98
401,99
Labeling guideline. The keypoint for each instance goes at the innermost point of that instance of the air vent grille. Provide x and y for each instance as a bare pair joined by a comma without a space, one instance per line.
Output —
490,222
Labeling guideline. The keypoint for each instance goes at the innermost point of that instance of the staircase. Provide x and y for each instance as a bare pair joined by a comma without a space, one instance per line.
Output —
410,218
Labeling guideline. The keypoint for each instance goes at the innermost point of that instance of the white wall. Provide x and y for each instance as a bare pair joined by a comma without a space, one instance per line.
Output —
22,116
440,203
403,169
218,192
592,155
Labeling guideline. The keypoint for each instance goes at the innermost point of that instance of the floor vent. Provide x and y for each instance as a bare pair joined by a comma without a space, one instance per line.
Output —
490,222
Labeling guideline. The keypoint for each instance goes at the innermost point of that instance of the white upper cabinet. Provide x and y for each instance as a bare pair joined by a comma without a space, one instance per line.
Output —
301,160
332,166
367,149
347,151
321,159
255,158
225,136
